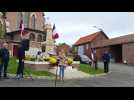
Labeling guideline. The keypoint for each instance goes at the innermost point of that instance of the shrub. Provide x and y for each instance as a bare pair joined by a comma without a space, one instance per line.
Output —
70,61
52,60
33,59
28,57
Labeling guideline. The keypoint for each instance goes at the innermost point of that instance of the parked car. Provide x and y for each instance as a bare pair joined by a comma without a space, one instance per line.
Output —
83,59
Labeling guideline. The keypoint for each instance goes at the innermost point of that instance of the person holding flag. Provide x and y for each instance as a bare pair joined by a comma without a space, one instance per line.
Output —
23,34
21,28
94,58
21,51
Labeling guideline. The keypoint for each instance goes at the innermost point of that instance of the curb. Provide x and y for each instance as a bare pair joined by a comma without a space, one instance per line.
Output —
103,74
47,77
34,77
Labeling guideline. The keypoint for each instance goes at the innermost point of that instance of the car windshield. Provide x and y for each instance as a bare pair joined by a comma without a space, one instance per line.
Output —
83,56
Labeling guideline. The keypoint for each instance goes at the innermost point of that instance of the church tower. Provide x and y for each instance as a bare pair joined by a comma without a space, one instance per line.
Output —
49,41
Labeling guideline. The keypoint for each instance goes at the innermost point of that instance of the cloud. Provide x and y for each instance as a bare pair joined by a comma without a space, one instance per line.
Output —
72,25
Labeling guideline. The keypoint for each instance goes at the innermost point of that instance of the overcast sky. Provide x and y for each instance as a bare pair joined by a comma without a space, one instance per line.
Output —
73,25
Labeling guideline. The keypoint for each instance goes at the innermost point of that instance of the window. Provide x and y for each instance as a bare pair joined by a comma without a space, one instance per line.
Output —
26,19
39,38
32,37
19,16
86,46
33,22
43,48
44,37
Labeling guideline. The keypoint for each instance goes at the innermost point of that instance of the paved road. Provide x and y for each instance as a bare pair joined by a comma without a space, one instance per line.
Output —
120,76
71,73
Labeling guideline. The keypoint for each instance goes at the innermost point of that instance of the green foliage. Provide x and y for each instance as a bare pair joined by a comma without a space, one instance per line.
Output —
33,59
12,68
1,31
28,57
52,60
70,61
88,69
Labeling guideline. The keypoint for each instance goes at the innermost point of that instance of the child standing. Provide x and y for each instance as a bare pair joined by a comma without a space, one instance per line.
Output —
62,64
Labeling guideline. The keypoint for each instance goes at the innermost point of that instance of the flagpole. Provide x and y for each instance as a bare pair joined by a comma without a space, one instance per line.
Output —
22,28
56,66
54,38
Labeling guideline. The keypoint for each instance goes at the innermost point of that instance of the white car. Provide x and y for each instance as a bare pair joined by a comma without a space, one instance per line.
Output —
85,59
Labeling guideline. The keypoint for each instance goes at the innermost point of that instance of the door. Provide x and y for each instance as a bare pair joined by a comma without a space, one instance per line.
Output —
15,50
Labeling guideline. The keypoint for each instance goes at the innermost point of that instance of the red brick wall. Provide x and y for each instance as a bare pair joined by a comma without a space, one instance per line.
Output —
98,38
12,18
66,48
39,21
128,53
100,52
34,44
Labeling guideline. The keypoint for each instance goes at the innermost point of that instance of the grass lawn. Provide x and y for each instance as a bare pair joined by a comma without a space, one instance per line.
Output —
88,69
12,68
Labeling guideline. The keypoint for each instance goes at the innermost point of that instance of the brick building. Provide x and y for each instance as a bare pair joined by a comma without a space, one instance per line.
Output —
120,48
64,47
34,23
84,44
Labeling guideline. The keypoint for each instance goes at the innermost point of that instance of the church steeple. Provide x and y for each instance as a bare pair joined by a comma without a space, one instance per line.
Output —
48,31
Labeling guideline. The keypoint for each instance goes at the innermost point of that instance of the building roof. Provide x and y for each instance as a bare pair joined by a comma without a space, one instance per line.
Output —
116,41
88,38
26,29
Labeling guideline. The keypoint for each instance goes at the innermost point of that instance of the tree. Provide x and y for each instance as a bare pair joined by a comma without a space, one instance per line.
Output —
3,26
1,31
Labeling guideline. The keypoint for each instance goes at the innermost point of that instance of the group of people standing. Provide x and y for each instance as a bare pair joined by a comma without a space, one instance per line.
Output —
5,58
63,62
105,59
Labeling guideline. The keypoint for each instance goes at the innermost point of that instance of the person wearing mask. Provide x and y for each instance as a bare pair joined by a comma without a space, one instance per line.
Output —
5,58
106,61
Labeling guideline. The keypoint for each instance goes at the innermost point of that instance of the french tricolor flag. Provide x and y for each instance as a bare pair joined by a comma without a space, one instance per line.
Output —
55,35
21,28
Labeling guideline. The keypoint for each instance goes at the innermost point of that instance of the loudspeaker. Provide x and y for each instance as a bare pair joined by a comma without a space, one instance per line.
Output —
25,44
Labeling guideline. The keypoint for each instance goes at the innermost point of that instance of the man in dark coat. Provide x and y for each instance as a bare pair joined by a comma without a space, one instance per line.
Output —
21,57
1,64
5,58
106,60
